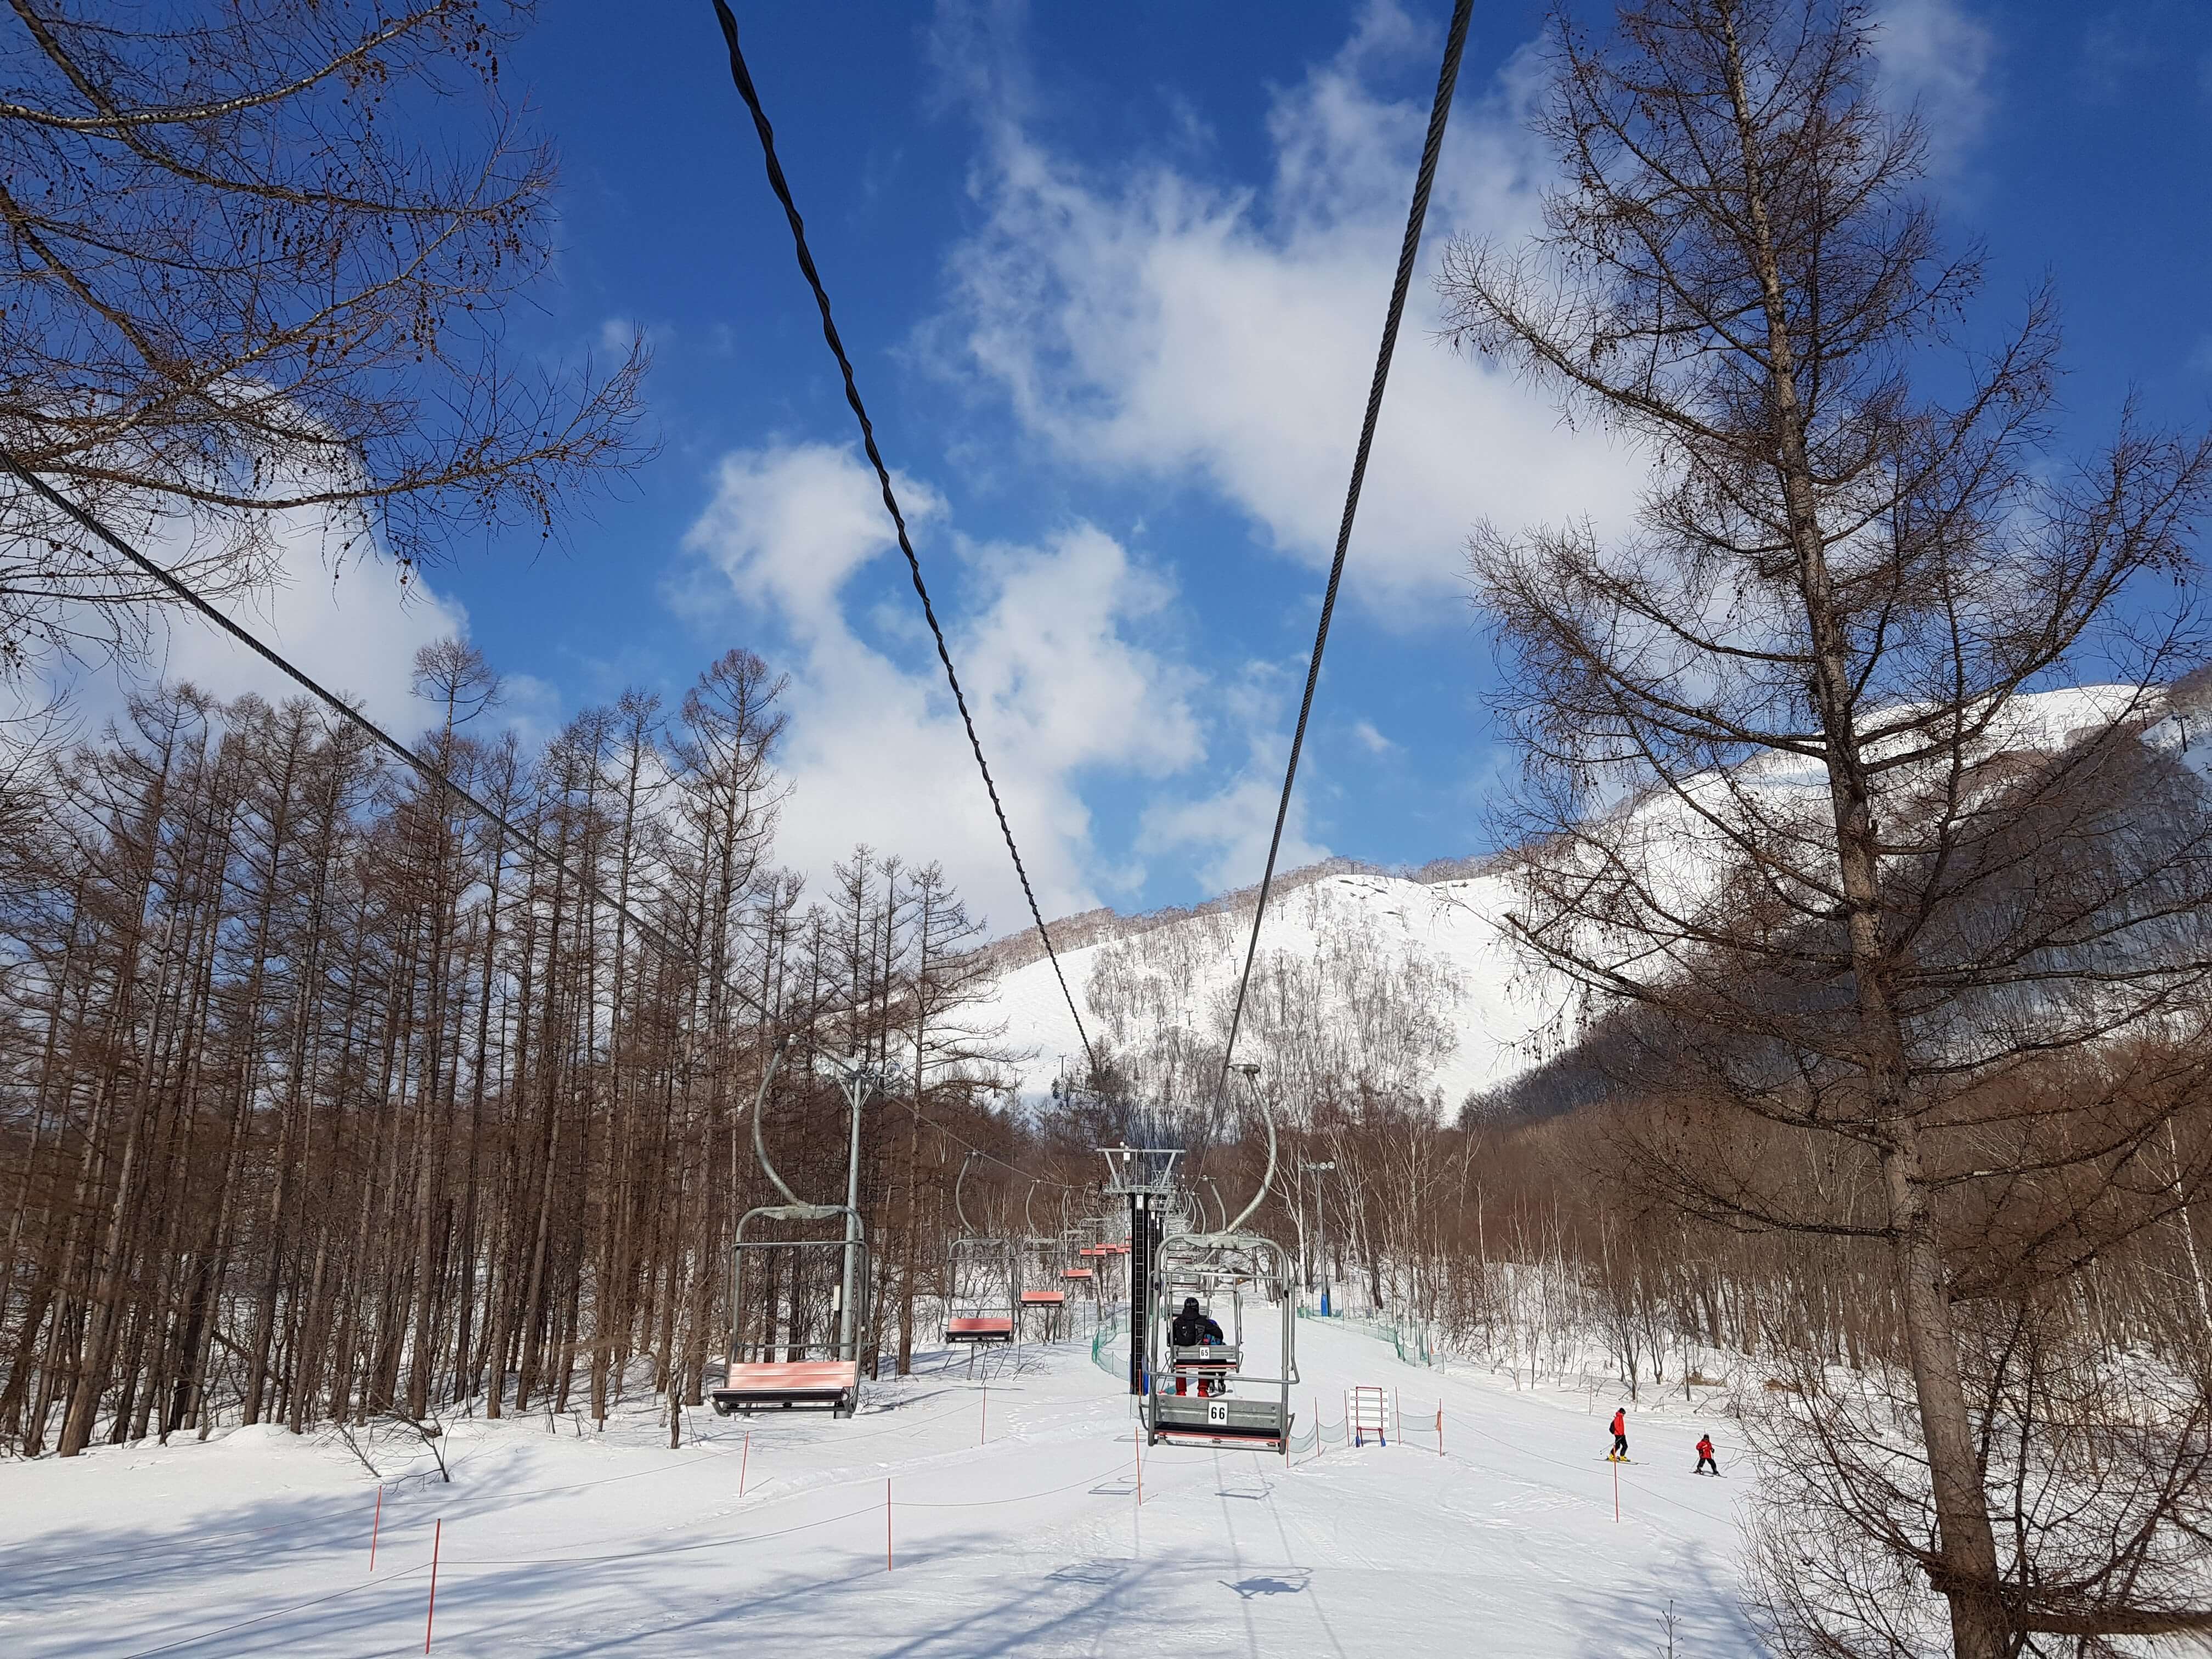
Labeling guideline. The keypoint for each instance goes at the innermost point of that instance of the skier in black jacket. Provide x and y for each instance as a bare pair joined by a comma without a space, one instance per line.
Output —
1192,1327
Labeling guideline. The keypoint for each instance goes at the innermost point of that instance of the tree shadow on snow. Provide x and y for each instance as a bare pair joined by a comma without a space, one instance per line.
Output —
1710,1621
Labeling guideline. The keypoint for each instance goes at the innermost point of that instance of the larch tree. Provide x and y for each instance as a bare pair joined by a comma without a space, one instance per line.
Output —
1797,818
256,259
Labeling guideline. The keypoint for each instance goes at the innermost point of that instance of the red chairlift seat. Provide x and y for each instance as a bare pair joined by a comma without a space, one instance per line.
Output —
979,1330
832,1383
1043,1298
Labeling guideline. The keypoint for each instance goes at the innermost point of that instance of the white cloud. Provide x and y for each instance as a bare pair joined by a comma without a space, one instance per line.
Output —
1937,56
352,624
348,623
1047,643
1370,738
1158,325
1227,829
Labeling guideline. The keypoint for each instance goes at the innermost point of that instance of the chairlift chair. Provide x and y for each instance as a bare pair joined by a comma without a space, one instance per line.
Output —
1234,1408
825,1373
983,1282
1037,1261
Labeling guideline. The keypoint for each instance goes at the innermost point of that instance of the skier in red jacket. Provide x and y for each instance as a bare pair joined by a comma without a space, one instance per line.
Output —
1705,1464
1619,1434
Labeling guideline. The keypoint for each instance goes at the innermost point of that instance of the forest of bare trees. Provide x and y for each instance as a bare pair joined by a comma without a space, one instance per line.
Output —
323,1100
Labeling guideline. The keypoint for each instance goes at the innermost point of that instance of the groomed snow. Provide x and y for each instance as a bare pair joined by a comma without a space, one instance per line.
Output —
1031,1542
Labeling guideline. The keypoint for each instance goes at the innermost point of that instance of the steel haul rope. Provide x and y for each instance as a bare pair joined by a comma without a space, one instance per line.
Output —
742,77
1439,113
176,585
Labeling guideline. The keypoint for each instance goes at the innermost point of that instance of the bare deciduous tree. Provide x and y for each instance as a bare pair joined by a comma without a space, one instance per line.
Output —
1863,890
254,259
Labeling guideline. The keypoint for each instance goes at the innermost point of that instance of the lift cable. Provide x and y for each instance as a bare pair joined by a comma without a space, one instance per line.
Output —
744,78
1439,112
961,1141
430,774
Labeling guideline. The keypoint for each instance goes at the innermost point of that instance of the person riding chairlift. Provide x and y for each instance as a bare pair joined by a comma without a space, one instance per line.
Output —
1191,1329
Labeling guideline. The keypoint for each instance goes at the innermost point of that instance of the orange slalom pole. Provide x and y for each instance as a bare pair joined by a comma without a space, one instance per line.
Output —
376,1523
430,1617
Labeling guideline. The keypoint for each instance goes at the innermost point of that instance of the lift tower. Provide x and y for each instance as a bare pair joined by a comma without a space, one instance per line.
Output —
1145,1176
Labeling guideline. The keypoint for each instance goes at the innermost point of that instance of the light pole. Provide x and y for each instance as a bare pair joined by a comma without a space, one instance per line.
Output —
1321,1232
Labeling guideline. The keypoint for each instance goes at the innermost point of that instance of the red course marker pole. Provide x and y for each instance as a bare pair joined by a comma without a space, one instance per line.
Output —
375,1522
744,1457
437,1534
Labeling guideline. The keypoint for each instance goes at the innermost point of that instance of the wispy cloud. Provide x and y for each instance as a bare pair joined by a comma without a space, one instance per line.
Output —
1154,324
1048,639
1371,739
1939,58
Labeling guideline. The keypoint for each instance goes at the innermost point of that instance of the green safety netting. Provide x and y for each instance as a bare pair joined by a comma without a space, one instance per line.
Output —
1412,1344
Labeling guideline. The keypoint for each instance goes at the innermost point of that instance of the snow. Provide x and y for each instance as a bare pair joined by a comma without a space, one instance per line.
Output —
1455,924
1015,1528
1509,1011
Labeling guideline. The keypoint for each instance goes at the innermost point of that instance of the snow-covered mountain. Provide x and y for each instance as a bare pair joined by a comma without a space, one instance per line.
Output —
1446,931
1411,977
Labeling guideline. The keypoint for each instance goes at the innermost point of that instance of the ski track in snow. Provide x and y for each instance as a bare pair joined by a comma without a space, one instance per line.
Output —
257,1543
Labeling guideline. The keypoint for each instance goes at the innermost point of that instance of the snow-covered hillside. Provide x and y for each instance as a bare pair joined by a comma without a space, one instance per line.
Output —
1138,978
1010,1519
1452,927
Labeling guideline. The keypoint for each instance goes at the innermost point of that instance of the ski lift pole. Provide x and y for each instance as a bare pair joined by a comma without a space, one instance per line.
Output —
856,1081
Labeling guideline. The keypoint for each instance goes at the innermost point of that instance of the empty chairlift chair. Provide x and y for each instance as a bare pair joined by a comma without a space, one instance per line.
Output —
982,1282
811,1371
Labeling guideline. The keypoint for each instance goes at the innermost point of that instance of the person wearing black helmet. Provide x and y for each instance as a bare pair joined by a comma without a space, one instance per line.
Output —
1191,1329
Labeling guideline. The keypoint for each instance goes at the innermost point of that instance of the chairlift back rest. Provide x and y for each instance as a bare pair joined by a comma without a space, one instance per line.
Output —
1218,1355
1220,1418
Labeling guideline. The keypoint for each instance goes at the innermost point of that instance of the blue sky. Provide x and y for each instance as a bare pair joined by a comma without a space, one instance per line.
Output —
1112,277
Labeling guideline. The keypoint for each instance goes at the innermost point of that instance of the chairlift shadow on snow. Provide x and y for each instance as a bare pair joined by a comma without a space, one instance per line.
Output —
1251,1588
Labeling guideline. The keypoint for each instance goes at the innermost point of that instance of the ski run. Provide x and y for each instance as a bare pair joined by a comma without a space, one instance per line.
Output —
1014,1526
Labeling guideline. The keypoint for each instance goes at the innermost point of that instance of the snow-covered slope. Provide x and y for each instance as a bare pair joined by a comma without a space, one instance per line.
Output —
1453,926
1442,935
1013,1528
